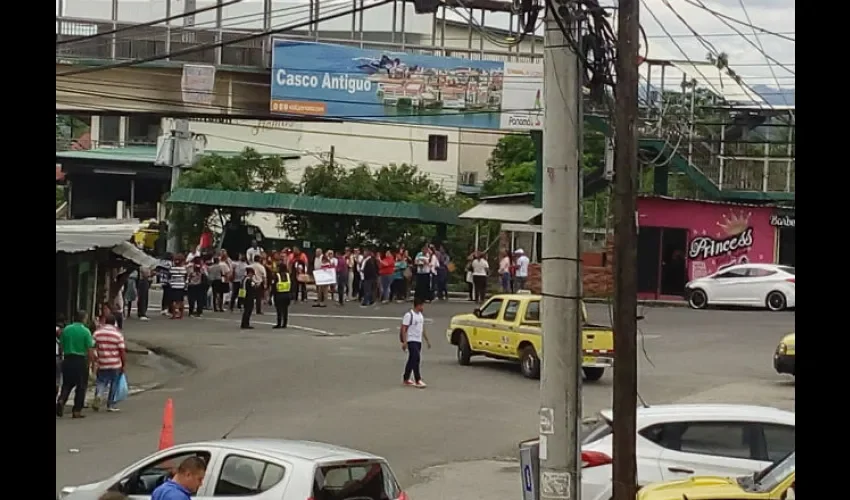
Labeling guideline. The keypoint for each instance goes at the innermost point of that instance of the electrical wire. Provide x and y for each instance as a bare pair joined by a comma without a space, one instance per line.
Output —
738,21
760,47
223,43
147,24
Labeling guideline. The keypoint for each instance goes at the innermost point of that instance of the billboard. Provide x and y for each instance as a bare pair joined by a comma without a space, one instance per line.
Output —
350,83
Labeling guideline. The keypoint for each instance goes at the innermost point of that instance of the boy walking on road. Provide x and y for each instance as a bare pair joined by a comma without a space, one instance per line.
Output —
412,335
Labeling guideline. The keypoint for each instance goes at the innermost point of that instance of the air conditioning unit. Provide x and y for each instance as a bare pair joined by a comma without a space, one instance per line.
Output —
469,178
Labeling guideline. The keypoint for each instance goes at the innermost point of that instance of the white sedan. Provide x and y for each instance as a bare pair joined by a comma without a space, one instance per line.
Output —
684,440
262,469
754,285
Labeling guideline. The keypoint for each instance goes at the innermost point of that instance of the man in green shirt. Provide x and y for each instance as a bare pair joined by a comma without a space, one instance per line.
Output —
78,349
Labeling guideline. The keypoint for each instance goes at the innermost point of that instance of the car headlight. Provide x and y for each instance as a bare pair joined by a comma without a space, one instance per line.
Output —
782,349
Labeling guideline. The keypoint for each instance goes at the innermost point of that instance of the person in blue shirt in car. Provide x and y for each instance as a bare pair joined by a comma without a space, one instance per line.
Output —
185,483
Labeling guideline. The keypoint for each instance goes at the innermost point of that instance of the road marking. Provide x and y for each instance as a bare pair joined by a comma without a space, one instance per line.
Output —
268,323
343,316
380,330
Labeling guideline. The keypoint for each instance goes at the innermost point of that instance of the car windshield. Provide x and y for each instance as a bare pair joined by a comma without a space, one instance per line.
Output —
787,269
769,478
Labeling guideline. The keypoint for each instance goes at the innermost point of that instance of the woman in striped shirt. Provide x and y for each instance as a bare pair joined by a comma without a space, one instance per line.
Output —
177,286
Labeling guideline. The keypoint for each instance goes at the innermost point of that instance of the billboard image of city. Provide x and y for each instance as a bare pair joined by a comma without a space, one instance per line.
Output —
350,83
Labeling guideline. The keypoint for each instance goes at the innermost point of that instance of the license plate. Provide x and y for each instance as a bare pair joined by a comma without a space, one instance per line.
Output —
591,360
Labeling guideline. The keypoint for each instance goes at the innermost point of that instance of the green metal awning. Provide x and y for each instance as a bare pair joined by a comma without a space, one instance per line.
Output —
278,202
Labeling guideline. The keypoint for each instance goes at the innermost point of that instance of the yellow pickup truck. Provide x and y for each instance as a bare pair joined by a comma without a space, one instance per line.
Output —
508,327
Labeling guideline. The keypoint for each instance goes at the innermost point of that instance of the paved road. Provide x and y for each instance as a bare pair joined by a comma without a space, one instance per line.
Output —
335,376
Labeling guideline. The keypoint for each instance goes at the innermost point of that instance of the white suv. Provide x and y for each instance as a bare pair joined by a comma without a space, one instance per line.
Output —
678,441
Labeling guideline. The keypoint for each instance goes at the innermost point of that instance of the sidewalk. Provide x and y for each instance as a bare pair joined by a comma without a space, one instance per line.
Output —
145,371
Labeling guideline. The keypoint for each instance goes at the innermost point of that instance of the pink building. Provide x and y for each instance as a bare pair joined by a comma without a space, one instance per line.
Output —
680,240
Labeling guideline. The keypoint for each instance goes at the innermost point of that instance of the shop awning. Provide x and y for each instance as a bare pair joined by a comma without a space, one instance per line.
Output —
73,236
502,212
128,251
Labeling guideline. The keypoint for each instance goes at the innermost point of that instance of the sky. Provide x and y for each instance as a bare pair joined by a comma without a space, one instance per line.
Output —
744,57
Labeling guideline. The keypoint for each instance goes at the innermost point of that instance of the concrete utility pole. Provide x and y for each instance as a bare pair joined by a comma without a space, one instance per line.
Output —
560,386
625,252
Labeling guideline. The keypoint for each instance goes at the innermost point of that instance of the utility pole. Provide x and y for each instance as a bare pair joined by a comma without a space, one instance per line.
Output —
331,156
560,385
625,252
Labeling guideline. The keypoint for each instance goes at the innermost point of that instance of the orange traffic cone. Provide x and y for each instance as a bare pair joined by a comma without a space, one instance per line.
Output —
166,435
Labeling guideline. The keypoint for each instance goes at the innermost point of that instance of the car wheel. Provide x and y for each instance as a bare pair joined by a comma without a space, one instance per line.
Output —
776,301
529,362
464,351
698,299
593,374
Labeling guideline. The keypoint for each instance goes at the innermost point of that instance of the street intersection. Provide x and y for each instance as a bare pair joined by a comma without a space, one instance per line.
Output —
335,376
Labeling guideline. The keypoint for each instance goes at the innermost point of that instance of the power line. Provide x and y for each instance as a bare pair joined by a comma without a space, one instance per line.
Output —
147,24
738,21
223,43
761,48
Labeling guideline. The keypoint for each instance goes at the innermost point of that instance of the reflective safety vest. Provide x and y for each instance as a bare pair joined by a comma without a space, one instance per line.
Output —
282,286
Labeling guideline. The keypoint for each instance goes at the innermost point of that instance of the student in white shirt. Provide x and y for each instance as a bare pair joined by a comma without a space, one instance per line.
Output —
412,334
522,263
480,269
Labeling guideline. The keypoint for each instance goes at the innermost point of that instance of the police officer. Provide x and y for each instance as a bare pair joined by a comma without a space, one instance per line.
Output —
248,294
281,288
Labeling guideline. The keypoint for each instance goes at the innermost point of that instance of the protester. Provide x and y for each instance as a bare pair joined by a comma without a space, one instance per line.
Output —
238,276
260,278
470,287
196,279
386,268
298,264
186,481
144,290
281,286
423,274
111,362
342,277
442,276
60,324
412,335
215,280
130,292
369,273
78,351
254,251
399,284
357,281
177,287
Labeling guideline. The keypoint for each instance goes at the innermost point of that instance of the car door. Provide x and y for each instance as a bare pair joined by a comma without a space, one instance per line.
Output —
779,442
244,475
507,330
758,284
710,448
140,480
728,287
485,338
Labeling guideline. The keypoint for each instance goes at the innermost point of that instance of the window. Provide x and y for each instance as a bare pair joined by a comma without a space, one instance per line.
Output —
438,147
491,309
511,310
787,269
532,312
145,480
110,131
734,273
723,439
780,440
361,481
596,430
243,476
142,129
760,273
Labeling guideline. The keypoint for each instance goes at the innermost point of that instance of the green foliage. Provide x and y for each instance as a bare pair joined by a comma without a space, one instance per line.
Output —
68,128
247,171
393,183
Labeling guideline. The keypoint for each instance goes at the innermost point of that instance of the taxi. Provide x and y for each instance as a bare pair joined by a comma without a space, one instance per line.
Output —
507,327
776,482
784,359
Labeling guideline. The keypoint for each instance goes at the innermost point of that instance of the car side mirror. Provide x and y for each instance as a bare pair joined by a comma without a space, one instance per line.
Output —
476,312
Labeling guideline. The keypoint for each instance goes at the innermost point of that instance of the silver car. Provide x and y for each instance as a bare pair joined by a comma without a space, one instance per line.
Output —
263,469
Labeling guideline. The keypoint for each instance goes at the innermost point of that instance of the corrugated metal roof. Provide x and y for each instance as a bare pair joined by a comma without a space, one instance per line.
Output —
75,236
502,212
278,202
134,154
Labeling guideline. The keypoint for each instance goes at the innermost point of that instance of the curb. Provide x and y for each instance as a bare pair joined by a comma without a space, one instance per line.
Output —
138,389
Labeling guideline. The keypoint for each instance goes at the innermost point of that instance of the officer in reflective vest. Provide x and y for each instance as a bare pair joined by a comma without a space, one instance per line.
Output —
281,288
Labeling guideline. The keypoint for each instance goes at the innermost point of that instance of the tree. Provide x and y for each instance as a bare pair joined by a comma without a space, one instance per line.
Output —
393,183
247,171
60,196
